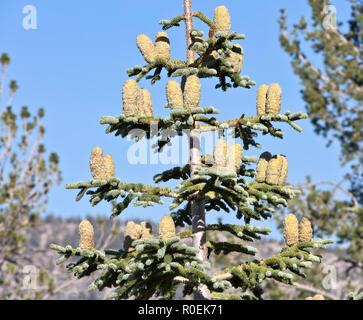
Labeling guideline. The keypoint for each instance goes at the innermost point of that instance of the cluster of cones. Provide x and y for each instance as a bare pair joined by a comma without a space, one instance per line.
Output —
295,232
136,101
227,158
188,97
102,167
272,169
268,99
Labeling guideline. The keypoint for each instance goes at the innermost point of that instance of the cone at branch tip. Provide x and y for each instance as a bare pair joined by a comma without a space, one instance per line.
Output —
110,166
166,227
192,92
148,104
174,94
305,230
284,171
291,229
273,170
130,97
261,99
162,45
262,166
97,164
222,20
234,158
86,235
273,99
146,47
220,154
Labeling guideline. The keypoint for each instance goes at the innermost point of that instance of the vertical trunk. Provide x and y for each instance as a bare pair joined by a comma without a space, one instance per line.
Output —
197,206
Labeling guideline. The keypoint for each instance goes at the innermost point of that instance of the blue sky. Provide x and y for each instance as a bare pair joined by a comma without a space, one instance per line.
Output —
74,65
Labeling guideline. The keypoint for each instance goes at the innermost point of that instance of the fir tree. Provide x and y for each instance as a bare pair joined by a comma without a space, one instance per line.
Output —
151,265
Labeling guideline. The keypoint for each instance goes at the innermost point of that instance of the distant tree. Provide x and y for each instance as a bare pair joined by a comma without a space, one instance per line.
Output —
333,92
25,180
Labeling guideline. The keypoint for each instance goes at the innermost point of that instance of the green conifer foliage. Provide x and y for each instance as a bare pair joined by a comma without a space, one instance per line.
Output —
157,265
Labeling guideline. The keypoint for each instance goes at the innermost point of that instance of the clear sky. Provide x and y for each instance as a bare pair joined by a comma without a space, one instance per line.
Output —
74,65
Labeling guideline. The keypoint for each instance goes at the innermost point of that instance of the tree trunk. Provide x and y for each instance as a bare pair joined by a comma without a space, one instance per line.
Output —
197,205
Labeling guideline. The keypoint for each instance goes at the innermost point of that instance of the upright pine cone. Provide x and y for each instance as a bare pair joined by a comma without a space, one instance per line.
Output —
166,227
110,166
273,100
236,58
220,154
274,169
133,232
97,164
162,45
174,94
146,47
284,171
222,20
148,104
305,230
262,165
291,229
130,97
234,159
86,232
192,92
261,99
146,230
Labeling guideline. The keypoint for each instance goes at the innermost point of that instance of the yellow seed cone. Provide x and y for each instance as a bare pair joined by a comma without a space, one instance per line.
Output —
166,227
162,45
309,298
305,230
220,154
97,164
236,58
273,100
174,94
192,92
133,232
261,167
148,104
234,159
222,20
86,235
261,99
291,229
318,297
274,170
146,47
110,166
130,95
146,230
284,171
